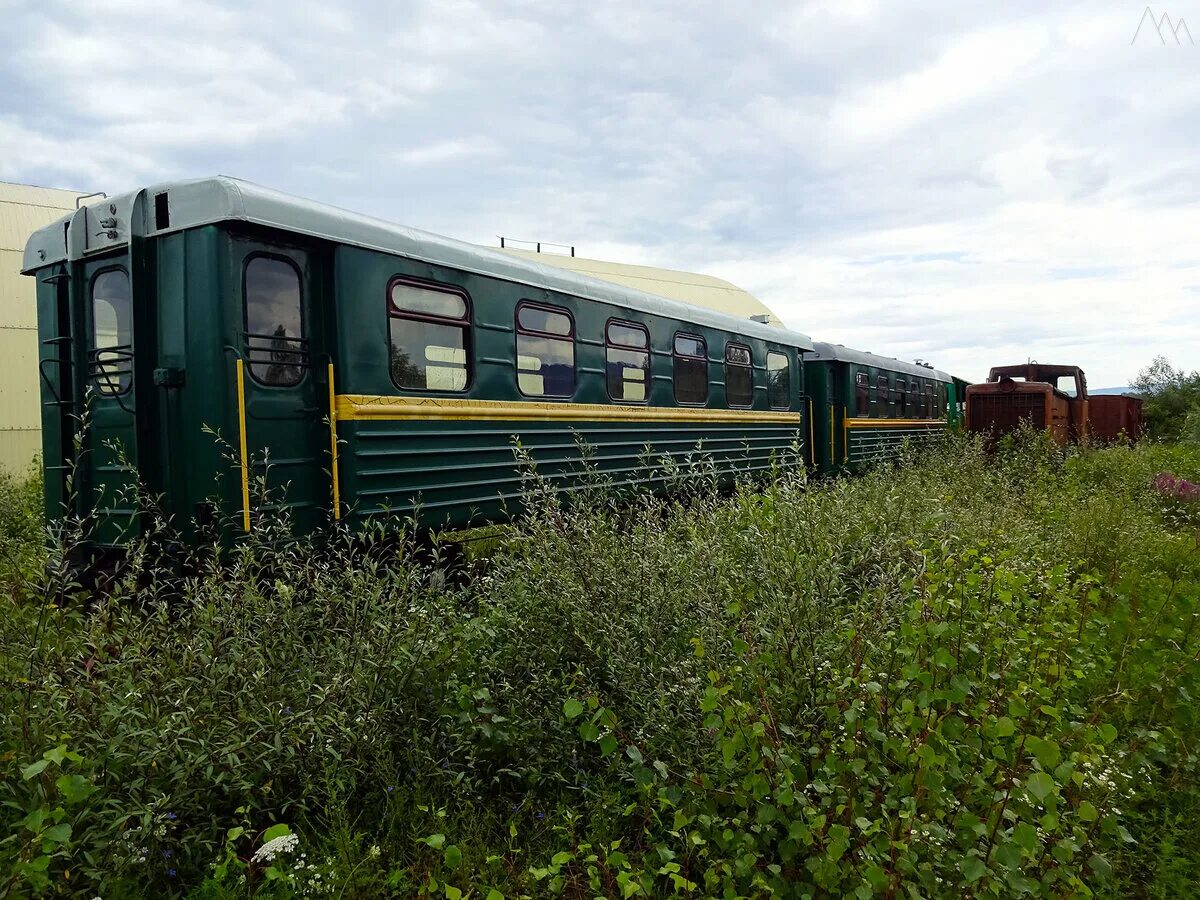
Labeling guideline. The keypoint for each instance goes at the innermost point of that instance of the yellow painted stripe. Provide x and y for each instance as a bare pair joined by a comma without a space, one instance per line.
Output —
892,423
333,448
365,408
241,391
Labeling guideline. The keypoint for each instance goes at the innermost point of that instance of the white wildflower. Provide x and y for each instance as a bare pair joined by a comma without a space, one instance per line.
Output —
285,843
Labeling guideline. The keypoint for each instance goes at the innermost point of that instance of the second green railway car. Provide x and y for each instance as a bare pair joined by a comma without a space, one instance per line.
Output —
865,405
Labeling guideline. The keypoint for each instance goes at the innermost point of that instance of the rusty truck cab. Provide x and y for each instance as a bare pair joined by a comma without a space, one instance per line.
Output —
1053,398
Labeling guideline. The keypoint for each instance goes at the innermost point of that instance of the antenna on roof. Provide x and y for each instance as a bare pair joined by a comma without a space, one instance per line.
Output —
505,241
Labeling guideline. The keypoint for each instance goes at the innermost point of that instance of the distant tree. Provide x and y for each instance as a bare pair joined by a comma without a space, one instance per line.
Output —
1172,400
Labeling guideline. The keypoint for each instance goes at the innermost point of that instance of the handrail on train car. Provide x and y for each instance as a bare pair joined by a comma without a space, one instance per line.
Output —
240,367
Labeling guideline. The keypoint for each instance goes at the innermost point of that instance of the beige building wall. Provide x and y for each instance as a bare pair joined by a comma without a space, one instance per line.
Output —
687,287
23,209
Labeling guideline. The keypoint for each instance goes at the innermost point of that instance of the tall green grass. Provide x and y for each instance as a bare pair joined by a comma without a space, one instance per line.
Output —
963,675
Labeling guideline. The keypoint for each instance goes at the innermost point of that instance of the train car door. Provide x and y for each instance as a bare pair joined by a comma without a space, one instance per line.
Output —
281,389
106,469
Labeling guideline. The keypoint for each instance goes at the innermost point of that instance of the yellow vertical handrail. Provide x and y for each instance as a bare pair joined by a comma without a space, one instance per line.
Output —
831,449
845,436
812,444
241,391
333,448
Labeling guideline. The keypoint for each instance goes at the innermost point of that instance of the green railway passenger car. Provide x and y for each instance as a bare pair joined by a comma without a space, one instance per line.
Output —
204,338
865,406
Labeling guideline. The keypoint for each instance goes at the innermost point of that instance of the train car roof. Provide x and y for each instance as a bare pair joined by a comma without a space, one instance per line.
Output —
108,223
840,353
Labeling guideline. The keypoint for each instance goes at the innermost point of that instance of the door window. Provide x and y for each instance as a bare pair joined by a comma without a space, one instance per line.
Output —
779,381
739,376
275,345
112,332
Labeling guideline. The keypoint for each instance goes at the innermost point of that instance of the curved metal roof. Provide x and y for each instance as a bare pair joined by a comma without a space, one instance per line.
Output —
840,353
109,223
692,288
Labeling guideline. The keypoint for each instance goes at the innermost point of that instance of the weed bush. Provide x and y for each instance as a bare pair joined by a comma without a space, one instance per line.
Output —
962,675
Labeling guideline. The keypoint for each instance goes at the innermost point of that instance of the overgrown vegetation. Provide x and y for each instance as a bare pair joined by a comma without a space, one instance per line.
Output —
1172,401
965,676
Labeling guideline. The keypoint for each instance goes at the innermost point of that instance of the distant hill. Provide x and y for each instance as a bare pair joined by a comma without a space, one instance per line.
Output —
1112,390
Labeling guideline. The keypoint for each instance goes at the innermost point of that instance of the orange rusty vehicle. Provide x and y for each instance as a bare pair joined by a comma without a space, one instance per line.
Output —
1053,398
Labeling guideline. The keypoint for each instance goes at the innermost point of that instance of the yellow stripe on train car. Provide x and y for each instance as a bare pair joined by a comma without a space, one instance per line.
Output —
365,408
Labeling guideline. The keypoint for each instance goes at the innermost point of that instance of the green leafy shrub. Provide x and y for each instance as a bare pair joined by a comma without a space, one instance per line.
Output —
963,675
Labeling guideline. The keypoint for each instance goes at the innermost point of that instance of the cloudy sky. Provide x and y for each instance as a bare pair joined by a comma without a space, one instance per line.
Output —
969,183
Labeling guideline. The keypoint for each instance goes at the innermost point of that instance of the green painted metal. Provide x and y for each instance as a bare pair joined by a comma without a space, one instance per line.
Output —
180,425
842,446
454,469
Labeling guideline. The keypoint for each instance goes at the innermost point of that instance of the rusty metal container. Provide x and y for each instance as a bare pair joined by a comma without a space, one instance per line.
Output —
1113,417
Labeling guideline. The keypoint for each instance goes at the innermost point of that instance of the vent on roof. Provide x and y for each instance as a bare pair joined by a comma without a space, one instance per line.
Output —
162,212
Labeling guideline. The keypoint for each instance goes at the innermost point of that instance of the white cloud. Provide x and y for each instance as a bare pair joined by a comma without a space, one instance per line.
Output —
975,67
970,183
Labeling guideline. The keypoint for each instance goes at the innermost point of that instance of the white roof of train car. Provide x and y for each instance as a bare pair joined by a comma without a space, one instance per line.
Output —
839,353
108,223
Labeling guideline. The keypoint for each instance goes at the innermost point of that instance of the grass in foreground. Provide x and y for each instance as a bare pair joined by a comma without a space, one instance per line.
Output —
959,677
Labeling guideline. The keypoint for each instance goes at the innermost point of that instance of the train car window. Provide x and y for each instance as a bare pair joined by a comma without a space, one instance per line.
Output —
881,396
112,332
545,351
739,375
779,381
275,345
929,410
690,369
428,327
627,361
862,395
901,397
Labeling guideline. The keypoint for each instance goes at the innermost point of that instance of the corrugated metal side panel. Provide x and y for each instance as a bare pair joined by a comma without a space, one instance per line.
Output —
18,307
1002,413
23,210
19,397
458,472
18,449
17,223
29,195
1111,416
869,445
